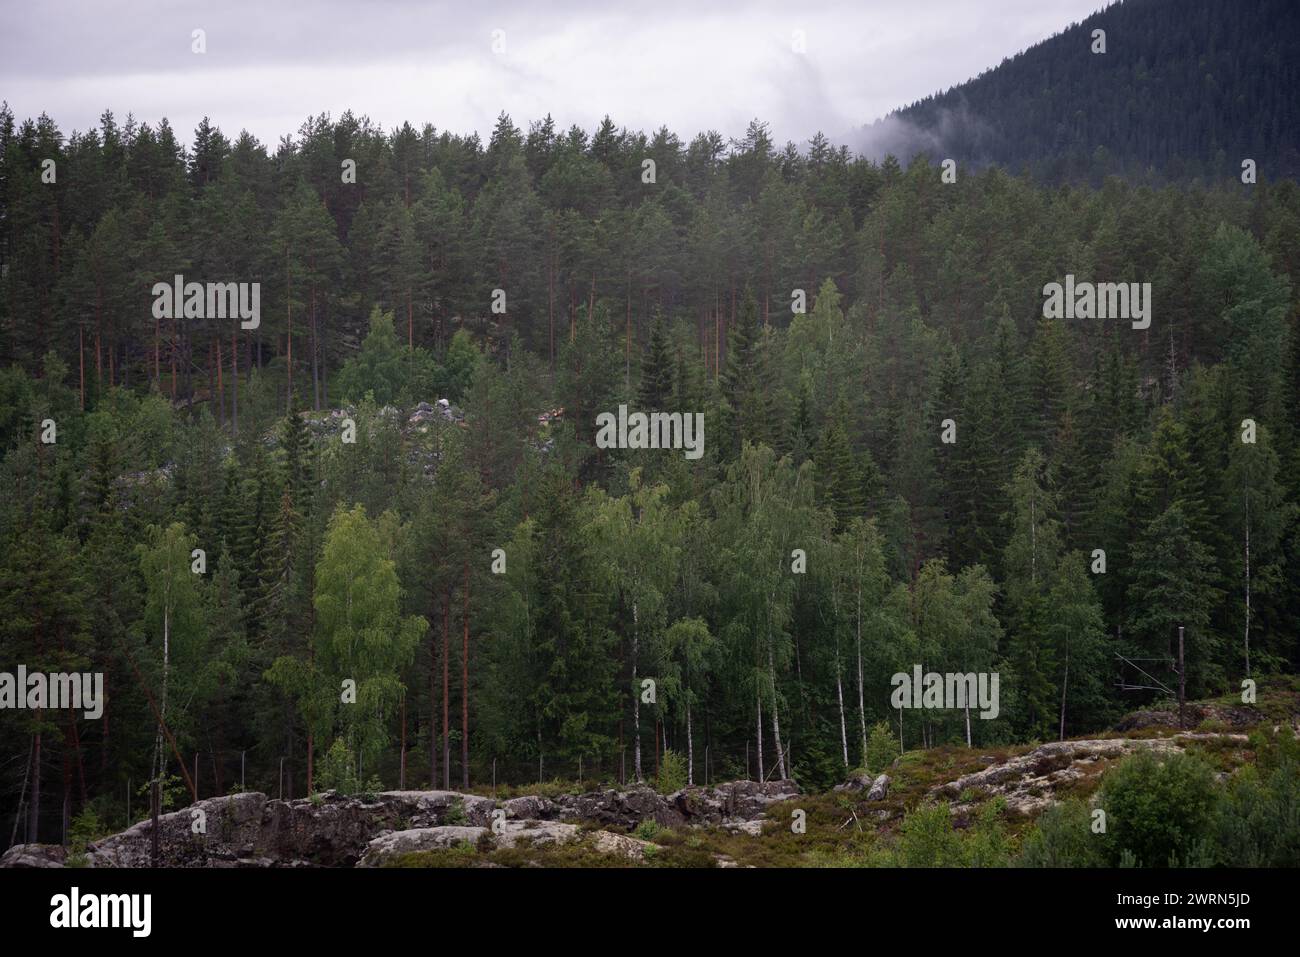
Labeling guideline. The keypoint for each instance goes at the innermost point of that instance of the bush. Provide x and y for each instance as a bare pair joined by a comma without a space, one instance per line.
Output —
338,772
882,748
86,827
1259,818
647,829
926,838
386,367
456,813
1160,809
672,773
1063,837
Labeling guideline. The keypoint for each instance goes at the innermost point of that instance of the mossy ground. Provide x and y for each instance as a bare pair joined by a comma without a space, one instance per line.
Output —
842,829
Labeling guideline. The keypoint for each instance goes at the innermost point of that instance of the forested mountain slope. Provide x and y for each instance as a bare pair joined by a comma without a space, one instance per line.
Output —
1184,88
904,463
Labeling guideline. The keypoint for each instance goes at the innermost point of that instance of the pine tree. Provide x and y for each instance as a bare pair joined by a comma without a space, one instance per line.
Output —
656,372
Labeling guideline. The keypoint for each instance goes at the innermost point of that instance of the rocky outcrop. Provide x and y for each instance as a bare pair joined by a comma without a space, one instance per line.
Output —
877,787
330,830
625,809
395,843
1029,782
34,855
731,803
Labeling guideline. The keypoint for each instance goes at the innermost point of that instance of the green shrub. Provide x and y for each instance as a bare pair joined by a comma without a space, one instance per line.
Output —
1159,808
338,771
456,813
1063,837
882,748
86,827
1259,817
672,773
647,829
926,838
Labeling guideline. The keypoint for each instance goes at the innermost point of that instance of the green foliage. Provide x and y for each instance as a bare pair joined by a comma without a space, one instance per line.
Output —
456,813
1063,837
672,772
338,770
647,830
1159,809
882,748
391,372
330,562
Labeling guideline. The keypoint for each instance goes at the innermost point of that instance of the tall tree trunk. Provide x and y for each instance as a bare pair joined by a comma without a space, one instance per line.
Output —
446,690
776,718
690,748
401,767
288,336
34,810
1065,684
234,383
759,729
862,710
315,352
433,708
464,690
1247,580
221,388
839,694
636,698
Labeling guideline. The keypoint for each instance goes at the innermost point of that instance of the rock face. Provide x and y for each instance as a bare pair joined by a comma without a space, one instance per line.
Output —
735,802
1029,782
250,830
394,843
731,803
34,855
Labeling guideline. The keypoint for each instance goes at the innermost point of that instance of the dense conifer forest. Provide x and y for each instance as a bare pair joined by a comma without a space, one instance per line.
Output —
393,481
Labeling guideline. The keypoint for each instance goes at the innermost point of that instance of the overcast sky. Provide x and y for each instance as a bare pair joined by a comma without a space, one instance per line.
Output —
661,62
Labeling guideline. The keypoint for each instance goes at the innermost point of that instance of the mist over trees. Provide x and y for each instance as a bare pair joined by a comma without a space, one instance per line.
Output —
375,561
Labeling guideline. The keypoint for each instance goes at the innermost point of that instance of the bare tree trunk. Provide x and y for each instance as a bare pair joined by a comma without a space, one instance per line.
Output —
433,709
22,794
288,337
401,767
862,710
636,697
34,811
690,748
776,718
839,694
446,689
759,726
234,384
1248,581
464,691
1065,684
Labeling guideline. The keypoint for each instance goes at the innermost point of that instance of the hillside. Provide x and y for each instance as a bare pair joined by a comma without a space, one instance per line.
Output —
1184,88
985,807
